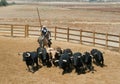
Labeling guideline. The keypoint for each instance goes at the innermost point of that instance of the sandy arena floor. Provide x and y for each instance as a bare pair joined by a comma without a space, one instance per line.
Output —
102,18
13,69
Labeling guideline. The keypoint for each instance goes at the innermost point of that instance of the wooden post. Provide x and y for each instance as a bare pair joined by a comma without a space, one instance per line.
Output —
80,36
106,40
93,38
55,32
27,30
68,34
12,30
119,42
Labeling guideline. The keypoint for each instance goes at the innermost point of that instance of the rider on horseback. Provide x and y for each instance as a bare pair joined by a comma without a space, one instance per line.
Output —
46,33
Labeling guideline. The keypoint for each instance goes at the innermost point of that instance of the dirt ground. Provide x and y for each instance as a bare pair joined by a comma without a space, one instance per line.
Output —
103,18
13,69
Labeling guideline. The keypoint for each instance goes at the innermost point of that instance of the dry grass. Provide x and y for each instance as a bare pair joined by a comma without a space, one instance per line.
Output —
102,18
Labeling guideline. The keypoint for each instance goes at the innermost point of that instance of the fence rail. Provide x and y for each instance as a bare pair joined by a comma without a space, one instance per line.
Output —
107,40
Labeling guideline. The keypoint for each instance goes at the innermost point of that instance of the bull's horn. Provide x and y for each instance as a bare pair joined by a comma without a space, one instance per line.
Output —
57,52
79,56
56,60
28,55
71,57
40,52
64,60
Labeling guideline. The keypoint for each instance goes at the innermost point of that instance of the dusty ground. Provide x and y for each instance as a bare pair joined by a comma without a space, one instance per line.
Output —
104,18
13,69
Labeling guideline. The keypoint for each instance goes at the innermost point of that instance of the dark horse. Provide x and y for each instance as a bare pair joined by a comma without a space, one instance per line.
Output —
44,40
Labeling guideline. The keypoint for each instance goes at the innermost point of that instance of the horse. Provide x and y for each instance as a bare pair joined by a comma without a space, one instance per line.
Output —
44,40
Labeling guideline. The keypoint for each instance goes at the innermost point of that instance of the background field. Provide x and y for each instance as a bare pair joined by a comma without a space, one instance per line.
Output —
102,18
98,17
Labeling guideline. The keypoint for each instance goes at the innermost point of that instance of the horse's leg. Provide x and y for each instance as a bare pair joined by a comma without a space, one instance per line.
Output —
49,43
42,44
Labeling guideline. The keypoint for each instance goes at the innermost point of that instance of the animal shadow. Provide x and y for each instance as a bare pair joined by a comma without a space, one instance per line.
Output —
36,68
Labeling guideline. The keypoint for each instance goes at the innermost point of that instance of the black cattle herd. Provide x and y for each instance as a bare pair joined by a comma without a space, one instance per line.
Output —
64,59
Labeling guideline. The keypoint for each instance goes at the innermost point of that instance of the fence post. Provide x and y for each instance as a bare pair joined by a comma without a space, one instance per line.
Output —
68,34
80,36
11,30
55,32
27,30
106,40
119,42
93,38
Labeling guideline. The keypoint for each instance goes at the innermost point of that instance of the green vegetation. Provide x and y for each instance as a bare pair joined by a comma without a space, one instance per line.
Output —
3,3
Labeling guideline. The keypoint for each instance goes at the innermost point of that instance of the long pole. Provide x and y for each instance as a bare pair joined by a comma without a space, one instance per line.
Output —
39,17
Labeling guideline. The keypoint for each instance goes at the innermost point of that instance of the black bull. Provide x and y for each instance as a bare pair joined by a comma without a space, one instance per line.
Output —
30,58
44,57
64,63
98,57
78,62
87,60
